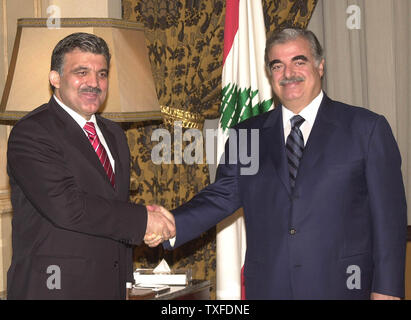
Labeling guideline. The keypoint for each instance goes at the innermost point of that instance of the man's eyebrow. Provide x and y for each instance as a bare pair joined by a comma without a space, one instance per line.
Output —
273,62
80,68
300,57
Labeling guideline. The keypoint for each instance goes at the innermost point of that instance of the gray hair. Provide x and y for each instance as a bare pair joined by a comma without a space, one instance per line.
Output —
85,42
291,34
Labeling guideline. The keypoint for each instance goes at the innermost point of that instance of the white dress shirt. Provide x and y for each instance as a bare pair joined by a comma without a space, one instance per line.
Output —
309,113
82,122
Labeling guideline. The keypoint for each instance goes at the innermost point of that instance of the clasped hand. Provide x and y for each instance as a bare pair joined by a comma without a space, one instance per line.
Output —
160,225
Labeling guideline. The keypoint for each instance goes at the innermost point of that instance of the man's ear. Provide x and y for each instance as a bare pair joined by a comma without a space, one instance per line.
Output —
321,68
54,78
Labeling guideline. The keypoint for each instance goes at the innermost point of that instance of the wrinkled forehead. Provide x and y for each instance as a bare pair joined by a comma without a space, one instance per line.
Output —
298,46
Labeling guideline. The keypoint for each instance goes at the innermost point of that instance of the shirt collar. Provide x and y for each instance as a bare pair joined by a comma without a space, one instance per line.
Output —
309,113
77,117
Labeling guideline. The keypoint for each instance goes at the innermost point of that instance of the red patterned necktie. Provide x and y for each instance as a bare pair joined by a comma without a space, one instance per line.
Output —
99,149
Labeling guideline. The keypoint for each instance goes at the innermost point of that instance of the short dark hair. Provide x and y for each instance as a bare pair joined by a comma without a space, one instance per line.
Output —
291,34
85,42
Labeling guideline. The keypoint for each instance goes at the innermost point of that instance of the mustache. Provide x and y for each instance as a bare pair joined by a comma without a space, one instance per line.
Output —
285,81
95,90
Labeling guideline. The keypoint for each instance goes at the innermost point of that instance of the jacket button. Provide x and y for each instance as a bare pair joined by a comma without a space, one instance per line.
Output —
293,231
115,264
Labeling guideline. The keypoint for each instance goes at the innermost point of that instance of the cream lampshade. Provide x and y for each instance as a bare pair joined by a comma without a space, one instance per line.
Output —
131,95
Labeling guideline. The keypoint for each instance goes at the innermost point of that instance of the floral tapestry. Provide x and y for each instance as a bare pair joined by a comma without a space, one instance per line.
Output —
185,48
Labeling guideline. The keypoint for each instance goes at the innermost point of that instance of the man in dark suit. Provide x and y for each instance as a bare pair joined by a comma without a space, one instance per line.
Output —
326,213
73,228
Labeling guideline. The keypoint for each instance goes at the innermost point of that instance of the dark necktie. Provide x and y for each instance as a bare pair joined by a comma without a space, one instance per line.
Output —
100,151
294,148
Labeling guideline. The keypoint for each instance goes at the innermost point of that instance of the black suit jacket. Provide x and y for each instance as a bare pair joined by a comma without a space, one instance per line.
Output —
346,213
66,213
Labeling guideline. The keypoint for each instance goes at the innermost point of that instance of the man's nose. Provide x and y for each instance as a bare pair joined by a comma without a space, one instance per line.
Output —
288,71
92,80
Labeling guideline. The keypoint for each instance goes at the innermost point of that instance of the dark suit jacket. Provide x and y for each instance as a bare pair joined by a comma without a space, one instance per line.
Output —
348,209
66,213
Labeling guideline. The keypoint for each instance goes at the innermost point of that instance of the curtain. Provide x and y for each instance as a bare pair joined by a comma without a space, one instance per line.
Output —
279,14
185,43
367,51
185,47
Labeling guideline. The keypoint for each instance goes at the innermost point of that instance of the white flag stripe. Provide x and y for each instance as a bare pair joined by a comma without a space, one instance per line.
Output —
230,69
231,246
243,69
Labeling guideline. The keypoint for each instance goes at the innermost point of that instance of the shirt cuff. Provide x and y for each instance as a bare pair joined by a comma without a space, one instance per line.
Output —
172,241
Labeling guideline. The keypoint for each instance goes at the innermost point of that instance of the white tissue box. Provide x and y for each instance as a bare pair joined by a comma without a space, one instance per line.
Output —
146,276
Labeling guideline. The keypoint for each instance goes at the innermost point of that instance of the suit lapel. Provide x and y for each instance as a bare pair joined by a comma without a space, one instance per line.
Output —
77,139
273,136
321,133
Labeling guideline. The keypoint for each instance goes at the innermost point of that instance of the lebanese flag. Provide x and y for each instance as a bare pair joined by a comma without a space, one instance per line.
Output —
246,93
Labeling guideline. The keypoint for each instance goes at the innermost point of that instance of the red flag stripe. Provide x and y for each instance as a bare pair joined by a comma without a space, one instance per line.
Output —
230,25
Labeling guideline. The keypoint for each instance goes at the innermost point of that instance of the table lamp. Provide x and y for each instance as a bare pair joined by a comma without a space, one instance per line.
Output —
131,96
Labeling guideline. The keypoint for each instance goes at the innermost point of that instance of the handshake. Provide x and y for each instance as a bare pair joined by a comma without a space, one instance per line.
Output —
160,225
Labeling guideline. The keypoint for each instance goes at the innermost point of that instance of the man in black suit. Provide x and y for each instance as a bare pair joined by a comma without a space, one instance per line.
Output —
73,228
325,214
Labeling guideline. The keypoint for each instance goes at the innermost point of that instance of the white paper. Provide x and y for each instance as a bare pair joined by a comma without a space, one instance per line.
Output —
162,267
